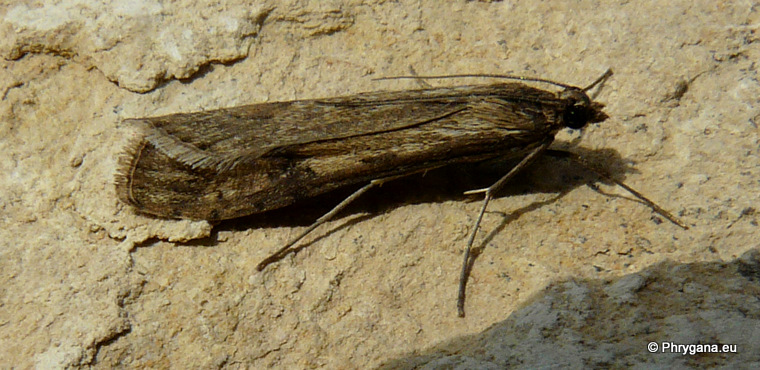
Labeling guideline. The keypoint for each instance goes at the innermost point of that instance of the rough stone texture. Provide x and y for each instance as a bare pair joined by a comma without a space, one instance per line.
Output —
568,275
135,44
600,324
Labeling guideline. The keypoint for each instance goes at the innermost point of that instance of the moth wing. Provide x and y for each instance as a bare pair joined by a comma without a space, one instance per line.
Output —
224,138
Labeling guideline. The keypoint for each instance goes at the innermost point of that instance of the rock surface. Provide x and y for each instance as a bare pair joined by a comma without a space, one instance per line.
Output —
567,275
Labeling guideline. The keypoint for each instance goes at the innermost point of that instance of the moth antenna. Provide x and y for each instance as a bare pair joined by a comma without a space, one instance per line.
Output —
507,77
599,80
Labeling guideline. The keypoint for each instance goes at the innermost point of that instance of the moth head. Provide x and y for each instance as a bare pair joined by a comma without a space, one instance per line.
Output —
581,110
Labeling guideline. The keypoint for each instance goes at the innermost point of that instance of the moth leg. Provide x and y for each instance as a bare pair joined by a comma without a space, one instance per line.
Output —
276,256
420,82
489,191
588,166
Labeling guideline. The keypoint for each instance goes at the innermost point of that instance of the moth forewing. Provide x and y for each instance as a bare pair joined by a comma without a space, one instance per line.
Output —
232,162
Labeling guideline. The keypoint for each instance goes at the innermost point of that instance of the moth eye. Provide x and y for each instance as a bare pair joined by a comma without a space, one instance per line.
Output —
576,116
579,108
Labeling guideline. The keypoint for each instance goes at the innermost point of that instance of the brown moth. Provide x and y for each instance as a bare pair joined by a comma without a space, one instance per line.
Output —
232,162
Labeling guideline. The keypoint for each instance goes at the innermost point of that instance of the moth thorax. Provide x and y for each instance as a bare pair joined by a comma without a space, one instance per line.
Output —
578,111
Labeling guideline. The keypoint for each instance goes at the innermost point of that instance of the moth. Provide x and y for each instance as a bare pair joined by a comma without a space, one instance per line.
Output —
232,162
